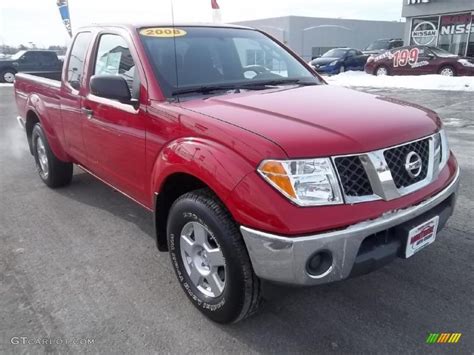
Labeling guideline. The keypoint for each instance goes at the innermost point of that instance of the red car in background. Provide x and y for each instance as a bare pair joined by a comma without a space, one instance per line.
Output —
418,60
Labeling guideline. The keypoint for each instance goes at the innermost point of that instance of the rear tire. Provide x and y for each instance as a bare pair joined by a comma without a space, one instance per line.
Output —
210,258
447,71
51,170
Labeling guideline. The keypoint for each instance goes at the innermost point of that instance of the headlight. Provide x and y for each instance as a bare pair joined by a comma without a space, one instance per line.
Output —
309,182
445,150
441,149
333,63
466,63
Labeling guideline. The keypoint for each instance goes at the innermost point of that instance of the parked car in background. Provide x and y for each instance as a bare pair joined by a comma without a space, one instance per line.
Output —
32,62
418,60
339,60
382,45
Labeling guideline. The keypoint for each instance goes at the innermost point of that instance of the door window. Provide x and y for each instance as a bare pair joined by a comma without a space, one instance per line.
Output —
30,58
75,68
114,58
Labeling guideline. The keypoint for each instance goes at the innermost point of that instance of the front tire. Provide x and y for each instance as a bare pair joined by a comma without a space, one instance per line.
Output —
447,71
382,71
7,76
51,170
210,258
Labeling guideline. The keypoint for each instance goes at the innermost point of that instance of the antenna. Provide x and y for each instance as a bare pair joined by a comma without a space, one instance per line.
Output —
174,43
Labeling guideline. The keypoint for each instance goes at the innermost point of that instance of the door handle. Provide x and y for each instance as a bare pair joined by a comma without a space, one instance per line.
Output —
88,112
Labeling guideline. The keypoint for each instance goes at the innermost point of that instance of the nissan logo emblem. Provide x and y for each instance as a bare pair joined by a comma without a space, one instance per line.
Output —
413,164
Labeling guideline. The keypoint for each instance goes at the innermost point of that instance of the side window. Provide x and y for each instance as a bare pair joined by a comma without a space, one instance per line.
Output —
114,58
30,57
75,68
262,59
47,58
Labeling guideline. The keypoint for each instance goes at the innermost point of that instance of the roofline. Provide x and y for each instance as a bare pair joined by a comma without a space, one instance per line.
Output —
135,26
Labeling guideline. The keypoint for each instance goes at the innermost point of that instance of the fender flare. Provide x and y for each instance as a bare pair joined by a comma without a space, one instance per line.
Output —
36,106
216,165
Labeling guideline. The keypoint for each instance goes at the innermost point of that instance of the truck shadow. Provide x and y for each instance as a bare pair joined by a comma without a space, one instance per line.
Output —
86,189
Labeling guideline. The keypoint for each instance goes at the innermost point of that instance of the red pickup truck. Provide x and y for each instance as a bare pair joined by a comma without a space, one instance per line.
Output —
255,168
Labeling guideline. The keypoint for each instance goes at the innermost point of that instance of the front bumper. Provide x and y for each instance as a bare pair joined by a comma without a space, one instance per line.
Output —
284,259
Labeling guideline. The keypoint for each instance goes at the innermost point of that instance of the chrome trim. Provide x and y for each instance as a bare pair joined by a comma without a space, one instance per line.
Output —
283,259
20,121
380,176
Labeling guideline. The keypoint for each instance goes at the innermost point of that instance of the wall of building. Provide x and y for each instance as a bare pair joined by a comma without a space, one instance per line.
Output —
310,36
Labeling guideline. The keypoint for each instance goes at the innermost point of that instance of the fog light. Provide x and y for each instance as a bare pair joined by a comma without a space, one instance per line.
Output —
319,263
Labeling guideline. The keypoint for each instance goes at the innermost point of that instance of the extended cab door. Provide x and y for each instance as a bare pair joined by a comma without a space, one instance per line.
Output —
114,132
72,95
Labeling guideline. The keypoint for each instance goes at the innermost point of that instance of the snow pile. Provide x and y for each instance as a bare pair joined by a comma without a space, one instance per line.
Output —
422,82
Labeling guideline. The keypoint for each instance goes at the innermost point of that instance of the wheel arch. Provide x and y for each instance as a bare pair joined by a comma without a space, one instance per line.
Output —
189,164
36,112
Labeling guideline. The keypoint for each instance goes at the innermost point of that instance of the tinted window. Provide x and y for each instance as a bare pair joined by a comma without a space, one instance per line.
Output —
75,68
114,58
205,56
48,58
30,57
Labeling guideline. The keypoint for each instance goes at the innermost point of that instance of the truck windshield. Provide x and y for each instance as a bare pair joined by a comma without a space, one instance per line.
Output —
335,53
17,55
206,58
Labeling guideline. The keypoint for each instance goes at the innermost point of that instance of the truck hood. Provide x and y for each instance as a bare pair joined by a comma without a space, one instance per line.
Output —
322,120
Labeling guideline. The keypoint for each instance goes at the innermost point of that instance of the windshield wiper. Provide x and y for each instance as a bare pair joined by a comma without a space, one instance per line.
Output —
258,85
208,89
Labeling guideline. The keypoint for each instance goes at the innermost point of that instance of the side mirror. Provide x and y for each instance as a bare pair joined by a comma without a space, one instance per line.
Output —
110,87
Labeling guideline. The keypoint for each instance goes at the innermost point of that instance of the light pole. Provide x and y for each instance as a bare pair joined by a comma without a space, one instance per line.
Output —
282,30
315,27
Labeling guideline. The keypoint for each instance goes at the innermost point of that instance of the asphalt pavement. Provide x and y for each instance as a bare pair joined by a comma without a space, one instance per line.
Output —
79,272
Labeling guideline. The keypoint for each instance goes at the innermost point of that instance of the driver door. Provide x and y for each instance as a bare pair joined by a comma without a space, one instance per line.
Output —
114,132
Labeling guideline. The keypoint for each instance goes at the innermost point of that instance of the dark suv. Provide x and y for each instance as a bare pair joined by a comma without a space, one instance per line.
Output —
381,45
42,62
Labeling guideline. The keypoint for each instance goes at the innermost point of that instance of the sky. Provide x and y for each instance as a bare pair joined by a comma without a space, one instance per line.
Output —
38,21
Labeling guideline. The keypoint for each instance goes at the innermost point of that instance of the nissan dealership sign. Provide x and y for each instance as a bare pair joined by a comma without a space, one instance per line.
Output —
416,2
424,33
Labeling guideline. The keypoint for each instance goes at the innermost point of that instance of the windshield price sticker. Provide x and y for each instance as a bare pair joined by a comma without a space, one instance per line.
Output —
163,32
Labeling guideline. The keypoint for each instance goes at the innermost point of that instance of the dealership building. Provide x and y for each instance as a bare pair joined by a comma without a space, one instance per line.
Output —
313,36
448,24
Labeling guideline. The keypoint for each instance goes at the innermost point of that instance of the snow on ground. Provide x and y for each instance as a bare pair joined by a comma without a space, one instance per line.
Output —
421,82
5,84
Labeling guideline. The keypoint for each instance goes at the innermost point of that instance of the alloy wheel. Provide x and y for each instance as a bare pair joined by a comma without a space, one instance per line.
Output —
42,158
203,259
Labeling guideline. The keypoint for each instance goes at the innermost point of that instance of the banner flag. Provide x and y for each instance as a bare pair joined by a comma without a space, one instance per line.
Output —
216,12
64,11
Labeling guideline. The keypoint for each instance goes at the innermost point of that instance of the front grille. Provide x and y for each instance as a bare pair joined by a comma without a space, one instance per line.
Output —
353,177
396,157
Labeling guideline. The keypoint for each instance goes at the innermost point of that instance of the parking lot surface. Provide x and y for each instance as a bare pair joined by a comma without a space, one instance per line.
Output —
80,264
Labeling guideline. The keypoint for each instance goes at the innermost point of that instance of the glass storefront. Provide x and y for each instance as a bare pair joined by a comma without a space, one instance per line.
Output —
454,32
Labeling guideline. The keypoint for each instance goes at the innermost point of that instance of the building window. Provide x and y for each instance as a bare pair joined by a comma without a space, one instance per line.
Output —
454,33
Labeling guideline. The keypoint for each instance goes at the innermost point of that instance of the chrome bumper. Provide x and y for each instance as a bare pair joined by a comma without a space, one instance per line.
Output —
284,259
